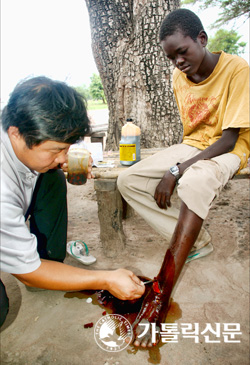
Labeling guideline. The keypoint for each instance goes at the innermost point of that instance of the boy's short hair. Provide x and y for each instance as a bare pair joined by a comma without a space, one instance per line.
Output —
182,20
43,109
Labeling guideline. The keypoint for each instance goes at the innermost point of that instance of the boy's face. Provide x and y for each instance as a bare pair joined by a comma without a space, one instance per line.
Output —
186,54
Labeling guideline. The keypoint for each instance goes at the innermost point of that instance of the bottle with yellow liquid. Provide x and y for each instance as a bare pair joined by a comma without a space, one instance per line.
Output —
130,152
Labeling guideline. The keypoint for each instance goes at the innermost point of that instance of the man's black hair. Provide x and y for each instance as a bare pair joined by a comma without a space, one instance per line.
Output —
181,20
43,109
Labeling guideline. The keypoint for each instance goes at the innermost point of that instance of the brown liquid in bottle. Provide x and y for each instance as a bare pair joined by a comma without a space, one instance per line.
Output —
79,178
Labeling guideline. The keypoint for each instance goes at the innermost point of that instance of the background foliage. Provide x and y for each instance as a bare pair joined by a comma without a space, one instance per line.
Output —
229,9
94,94
226,40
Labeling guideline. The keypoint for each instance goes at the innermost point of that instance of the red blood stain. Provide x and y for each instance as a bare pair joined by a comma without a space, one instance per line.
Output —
156,287
88,325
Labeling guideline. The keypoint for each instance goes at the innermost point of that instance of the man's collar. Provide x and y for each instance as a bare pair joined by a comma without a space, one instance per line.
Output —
24,170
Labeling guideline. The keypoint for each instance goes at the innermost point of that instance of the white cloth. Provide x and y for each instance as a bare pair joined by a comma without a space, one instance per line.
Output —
18,247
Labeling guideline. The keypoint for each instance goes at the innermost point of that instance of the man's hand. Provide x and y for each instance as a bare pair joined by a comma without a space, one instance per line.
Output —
90,175
124,284
64,167
164,190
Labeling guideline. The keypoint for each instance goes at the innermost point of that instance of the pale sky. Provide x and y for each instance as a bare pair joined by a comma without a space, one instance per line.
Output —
45,37
52,38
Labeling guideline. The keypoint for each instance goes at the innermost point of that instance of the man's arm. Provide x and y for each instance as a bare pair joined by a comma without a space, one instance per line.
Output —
225,144
58,276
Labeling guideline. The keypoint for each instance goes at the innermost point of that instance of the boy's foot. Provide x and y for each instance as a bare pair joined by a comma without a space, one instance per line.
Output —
200,252
153,311
150,338
203,239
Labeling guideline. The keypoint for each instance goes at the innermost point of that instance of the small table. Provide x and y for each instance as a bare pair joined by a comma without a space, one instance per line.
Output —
112,208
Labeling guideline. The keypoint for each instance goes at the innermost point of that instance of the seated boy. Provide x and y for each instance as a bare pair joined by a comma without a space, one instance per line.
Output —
212,95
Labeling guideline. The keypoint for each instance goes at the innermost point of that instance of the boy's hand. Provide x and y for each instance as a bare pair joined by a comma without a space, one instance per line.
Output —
164,190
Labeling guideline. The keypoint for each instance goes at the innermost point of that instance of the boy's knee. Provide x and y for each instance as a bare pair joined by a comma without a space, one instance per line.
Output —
198,187
201,178
193,186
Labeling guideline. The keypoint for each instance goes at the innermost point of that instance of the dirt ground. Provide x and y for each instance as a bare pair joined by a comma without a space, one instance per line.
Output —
47,327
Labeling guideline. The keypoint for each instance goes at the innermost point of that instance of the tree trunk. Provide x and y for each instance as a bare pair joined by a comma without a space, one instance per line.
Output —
136,76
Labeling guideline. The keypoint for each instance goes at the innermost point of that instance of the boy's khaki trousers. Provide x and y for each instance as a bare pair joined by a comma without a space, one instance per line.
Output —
200,184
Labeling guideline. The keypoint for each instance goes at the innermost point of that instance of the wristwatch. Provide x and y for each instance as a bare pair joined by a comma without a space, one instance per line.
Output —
175,171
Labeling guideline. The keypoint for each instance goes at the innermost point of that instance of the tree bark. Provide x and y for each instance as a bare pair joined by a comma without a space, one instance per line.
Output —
136,76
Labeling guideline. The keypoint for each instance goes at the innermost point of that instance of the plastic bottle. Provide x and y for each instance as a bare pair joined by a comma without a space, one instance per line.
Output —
130,152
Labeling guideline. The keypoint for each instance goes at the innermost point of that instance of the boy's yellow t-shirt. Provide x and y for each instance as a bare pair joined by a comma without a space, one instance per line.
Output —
215,104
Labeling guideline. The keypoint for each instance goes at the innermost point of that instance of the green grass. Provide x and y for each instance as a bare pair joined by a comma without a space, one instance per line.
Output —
96,104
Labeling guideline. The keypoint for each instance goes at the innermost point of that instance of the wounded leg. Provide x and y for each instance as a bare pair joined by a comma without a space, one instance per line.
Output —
155,305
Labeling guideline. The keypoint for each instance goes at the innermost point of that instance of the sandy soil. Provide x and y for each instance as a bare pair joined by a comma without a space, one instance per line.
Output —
47,327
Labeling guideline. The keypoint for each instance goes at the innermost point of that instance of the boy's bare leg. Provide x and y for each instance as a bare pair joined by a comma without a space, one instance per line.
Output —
156,303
